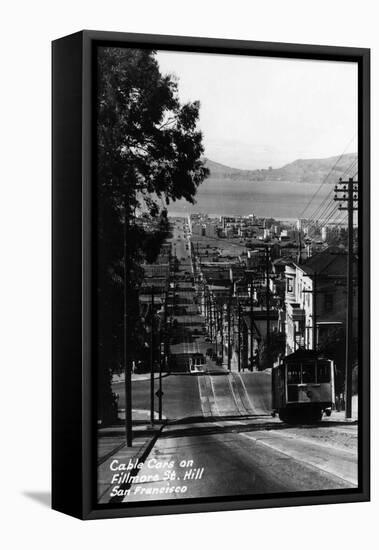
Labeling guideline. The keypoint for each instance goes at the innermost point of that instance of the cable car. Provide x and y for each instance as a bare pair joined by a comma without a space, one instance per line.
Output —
303,387
197,363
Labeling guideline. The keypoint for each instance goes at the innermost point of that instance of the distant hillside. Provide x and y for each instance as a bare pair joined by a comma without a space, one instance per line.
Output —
220,170
301,170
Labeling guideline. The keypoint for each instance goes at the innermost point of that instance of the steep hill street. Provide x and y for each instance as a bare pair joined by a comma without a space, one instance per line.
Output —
218,437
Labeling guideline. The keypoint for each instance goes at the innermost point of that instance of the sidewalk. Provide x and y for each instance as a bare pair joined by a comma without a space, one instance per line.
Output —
112,446
118,378
233,362
339,416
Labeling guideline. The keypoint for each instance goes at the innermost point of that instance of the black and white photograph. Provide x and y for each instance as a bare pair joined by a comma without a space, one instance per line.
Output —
226,276
189,301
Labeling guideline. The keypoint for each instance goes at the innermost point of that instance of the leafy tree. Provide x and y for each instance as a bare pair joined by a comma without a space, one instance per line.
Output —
148,153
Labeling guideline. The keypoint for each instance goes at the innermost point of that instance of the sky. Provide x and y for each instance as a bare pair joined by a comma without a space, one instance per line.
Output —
258,112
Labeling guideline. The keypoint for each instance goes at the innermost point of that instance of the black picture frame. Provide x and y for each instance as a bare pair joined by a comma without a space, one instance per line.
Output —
73,134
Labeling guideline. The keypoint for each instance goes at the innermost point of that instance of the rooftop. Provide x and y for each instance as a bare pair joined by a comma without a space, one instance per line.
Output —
331,262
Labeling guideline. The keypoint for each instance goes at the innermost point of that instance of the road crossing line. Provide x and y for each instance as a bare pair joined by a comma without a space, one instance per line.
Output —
216,410
204,397
225,400
236,396
251,408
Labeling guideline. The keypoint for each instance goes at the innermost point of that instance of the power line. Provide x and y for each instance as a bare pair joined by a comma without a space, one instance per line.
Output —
325,213
325,209
332,210
330,216
327,176
319,208
351,167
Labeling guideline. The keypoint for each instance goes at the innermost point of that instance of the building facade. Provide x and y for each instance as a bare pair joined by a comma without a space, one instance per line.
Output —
315,299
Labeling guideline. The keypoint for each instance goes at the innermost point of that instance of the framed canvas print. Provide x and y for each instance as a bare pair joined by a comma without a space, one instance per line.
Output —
210,274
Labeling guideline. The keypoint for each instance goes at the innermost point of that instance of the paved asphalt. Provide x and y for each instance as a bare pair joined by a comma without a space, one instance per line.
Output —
237,458
188,396
220,439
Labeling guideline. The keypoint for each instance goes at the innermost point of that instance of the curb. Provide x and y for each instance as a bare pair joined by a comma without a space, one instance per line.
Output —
101,460
141,456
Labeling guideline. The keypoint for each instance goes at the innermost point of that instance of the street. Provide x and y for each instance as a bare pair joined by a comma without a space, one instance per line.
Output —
241,457
219,438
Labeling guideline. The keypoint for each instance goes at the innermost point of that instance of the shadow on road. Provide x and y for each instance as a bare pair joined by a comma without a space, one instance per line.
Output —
201,425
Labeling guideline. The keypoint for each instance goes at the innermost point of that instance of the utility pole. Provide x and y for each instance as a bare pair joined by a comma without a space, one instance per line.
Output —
222,331
127,362
159,393
350,196
267,270
210,317
152,359
216,324
300,259
314,315
207,309
251,296
239,337
206,305
314,312
229,322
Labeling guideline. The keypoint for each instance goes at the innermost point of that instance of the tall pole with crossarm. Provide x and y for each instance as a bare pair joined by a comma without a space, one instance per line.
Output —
349,197
229,327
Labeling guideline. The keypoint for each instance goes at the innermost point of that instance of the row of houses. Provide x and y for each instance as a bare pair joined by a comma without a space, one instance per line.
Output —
293,305
315,299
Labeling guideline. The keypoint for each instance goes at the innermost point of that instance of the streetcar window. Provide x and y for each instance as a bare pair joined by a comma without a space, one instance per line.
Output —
293,373
323,372
308,373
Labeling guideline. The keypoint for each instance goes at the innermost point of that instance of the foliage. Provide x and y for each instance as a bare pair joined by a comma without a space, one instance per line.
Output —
148,154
